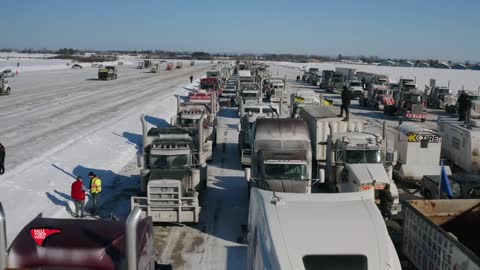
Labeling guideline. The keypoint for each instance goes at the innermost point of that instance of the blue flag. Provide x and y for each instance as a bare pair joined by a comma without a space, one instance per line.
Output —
445,183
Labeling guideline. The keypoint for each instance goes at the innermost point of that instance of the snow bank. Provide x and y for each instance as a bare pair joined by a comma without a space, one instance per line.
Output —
469,79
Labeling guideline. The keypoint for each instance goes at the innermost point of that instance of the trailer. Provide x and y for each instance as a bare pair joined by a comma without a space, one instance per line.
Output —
318,120
442,234
418,151
288,231
461,144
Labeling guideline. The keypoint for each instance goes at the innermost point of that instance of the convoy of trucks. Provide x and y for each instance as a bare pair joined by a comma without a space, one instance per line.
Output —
309,162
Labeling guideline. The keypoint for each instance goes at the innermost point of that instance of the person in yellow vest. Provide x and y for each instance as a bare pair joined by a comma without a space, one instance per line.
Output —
95,190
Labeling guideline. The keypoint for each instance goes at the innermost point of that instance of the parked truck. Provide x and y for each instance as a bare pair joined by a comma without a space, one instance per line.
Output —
346,74
327,77
442,234
355,87
246,128
281,156
377,97
318,120
4,86
178,65
107,73
53,243
359,161
189,116
317,231
174,173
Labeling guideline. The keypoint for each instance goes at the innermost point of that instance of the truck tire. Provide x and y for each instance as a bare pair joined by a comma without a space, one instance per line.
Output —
8,91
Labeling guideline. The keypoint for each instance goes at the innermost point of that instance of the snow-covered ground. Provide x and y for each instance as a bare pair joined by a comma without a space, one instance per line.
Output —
57,124
468,79
61,123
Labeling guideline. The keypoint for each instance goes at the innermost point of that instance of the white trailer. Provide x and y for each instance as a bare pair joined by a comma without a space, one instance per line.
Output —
442,234
318,119
347,73
418,151
461,144
291,231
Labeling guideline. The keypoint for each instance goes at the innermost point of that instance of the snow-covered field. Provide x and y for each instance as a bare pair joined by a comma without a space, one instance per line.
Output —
468,79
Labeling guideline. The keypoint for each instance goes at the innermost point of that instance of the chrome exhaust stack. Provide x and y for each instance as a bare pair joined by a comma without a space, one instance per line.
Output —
3,239
131,235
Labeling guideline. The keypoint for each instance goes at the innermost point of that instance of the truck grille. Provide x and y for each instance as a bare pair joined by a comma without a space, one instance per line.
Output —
417,108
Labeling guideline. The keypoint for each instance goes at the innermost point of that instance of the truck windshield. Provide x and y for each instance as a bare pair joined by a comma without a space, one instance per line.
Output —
414,99
249,95
205,86
363,156
355,84
285,171
188,122
168,162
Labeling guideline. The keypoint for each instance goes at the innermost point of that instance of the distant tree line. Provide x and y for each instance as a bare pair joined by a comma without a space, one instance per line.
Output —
72,53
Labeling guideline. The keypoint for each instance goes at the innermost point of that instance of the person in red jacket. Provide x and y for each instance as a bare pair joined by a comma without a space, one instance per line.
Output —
78,196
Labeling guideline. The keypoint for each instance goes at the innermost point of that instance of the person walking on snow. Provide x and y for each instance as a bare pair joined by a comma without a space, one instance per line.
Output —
346,96
2,159
78,196
191,78
95,190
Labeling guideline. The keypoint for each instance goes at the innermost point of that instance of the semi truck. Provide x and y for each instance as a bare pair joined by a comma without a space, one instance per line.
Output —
281,156
289,231
346,74
4,86
327,77
53,243
359,161
174,173
442,234
107,73
318,120
246,127
188,117
418,151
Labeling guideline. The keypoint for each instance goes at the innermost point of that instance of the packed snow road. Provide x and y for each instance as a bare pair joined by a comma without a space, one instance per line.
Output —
62,123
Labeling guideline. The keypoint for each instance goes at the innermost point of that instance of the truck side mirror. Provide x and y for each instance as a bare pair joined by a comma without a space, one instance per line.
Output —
248,174
321,176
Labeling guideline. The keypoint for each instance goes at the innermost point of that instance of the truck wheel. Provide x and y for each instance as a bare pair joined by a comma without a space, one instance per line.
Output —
8,91
423,120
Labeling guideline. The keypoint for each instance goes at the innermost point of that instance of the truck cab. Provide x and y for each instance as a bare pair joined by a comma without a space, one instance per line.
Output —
357,162
355,86
281,156
174,173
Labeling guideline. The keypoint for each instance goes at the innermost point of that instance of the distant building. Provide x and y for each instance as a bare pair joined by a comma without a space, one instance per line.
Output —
406,64
387,63
458,66
441,65
423,65
476,67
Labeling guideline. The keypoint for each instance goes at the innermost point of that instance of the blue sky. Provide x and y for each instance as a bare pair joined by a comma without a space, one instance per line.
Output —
442,29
